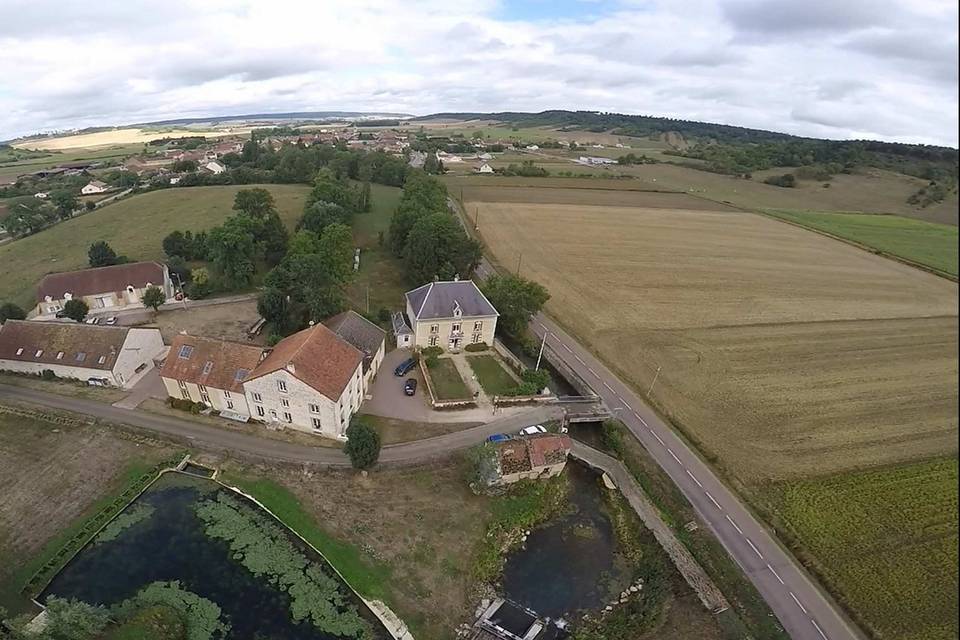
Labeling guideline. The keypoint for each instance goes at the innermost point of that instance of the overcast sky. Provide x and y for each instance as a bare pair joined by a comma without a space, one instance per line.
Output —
882,69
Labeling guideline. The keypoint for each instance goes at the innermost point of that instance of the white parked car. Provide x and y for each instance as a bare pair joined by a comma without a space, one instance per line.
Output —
93,320
112,320
533,430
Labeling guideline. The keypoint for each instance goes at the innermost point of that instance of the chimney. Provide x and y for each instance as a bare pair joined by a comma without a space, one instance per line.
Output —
291,368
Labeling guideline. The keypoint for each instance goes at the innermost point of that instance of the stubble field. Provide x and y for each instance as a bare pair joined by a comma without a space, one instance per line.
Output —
785,355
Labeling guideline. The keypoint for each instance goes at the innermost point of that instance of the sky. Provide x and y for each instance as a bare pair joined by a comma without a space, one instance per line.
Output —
877,69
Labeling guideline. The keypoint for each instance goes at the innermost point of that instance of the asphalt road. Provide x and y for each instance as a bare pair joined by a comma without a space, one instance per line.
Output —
218,439
804,611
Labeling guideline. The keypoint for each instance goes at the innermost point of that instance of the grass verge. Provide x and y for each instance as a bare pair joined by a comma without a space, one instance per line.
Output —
447,383
491,375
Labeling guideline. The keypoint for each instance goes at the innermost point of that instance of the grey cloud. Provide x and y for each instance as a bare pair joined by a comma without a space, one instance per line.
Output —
773,18
841,88
715,57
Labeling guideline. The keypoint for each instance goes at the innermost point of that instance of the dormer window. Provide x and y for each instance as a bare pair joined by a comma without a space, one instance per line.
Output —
59,355
20,351
101,359
38,353
457,311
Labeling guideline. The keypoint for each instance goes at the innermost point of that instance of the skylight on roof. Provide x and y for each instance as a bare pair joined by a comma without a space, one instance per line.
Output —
185,352
81,356
241,375
207,367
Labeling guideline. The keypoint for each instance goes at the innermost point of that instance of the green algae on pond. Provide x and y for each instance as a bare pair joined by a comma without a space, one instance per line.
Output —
222,548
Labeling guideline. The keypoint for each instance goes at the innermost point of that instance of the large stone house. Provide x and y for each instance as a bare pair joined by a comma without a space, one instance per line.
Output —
114,287
109,356
450,315
367,337
312,381
211,372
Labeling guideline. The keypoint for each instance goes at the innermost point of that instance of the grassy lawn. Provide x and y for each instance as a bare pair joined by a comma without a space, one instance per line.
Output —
491,375
884,540
927,243
447,383
380,279
394,431
134,227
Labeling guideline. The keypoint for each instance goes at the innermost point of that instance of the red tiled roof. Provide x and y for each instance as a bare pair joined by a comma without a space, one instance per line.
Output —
86,282
519,455
316,356
546,450
230,363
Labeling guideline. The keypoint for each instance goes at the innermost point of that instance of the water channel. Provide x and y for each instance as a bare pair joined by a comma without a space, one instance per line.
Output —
172,544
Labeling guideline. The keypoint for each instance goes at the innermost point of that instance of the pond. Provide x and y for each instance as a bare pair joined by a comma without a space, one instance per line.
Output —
223,548
572,564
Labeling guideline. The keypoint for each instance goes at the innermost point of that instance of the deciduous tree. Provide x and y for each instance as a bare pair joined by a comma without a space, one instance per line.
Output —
10,311
363,445
153,297
101,254
517,299
76,309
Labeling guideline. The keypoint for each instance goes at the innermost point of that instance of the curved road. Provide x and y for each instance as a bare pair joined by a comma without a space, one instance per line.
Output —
803,609
206,436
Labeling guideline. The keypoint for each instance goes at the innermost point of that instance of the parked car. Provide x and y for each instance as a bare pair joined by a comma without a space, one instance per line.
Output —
533,430
112,320
498,437
61,314
93,320
404,367
98,382
410,386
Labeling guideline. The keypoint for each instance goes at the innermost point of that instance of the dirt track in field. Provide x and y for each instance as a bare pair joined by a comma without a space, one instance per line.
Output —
783,353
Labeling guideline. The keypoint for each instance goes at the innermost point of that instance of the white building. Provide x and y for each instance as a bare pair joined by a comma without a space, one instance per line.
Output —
94,186
596,160
114,287
109,356
211,372
215,167
484,168
367,337
311,381
450,315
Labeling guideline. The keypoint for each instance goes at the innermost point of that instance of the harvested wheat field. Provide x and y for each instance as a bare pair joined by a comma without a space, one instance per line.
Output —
783,353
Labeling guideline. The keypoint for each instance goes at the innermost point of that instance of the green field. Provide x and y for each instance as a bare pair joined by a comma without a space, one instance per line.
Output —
491,375
884,540
925,243
134,227
48,159
380,279
447,383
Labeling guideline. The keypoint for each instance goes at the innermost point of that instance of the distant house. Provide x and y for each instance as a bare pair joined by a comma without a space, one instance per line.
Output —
311,381
94,186
215,167
367,337
532,147
175,179
531,457
111,356
450,315
484,168
211,372
117,286
595,160
485,156
447,158
41,195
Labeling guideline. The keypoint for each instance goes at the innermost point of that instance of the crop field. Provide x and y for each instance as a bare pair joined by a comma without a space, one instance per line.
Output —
116,136
134,227
890,538
930,244
54,158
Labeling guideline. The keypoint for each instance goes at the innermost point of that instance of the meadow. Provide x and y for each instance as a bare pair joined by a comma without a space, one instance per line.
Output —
929,244
134,227
886,539
784,355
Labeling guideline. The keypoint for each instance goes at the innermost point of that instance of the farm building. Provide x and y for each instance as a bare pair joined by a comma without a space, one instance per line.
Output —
118,286
450,315
483,168
211,372
311,381
215,167
94,186
109,356
595,160
531,457
367,337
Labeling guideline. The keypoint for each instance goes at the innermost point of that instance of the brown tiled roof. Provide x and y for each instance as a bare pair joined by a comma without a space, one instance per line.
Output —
316,356
230,363
78,345
519,455
111,279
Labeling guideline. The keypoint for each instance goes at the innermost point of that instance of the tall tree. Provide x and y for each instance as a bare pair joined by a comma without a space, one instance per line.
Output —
336,250
10,311
257,203
318,215
422,195
176,243
65,201
517,299
363,445
233,250
328,187
437,247
273,238
153,297
365,198
101,254
76,309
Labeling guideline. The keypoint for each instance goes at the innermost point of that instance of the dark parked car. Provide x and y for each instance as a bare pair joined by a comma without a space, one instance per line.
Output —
498,437
404,367
410,386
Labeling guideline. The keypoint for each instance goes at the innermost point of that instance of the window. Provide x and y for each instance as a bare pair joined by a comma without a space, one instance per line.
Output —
229,404
81,356
183,385
185,352
455,328
316,422
20,351
101,359
205,398
433,341
282,386
434,328
202,388
184,394
226,394
257,397
287,417
284,402
477,338
120,378
478,325
259,411
207,367
59,355
314,408
38,353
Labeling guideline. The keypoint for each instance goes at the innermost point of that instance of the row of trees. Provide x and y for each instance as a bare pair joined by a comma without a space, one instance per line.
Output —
428,237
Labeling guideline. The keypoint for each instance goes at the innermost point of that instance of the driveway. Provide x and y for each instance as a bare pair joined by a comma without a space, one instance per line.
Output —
388,400
149,386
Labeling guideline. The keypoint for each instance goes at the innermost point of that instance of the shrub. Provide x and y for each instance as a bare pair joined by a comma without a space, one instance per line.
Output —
429,352
383,315
612,436
362,446
786,180
48,374
185,405
273,339
478,346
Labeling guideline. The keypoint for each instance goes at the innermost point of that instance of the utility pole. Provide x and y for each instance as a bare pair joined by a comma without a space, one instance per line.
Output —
655,376
519,262
476,219
540,355
368,299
